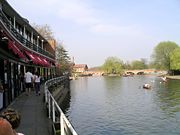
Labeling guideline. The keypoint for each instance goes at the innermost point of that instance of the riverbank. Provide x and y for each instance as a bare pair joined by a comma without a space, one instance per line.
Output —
176,77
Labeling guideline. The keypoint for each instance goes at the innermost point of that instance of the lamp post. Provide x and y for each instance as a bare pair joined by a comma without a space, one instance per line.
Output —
37,42
42,43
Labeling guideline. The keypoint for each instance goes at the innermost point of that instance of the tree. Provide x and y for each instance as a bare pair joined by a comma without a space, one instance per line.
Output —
175,59
62,58
44,30
145,62
112,65
161,54
137,64
126,65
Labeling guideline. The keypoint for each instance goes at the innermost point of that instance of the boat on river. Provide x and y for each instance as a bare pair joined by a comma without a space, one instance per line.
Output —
147,86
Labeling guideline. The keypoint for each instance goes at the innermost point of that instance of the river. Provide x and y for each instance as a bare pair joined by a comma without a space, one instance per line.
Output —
120,106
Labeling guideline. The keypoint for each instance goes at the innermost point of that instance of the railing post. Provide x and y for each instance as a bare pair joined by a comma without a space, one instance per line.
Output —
49,107
53,112
62,124
46,93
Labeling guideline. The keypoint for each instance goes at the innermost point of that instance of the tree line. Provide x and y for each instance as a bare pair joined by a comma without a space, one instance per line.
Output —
166,56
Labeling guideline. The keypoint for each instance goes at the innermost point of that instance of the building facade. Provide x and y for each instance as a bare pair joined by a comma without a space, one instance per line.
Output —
80,68
21,48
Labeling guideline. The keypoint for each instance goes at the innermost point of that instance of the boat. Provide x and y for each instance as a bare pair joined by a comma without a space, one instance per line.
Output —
147,86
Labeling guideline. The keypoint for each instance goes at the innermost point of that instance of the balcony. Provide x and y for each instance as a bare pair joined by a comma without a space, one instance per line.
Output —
21,39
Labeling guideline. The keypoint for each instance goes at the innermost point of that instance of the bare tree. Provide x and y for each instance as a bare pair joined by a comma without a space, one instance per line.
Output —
44,30
62,57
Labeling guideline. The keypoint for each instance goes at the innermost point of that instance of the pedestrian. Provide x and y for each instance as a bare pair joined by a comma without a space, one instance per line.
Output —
14,118
37,81
28,80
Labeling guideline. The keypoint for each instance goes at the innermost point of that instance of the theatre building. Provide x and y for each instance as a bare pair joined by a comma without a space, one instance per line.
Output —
21,48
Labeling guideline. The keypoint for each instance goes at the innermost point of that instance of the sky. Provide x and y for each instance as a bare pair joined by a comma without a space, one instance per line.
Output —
93,30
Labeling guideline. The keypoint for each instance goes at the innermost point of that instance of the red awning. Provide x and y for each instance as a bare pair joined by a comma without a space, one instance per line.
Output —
15,49
32,57
41,62
46,62
37,59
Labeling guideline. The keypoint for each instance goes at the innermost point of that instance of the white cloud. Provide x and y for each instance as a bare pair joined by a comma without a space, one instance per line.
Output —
80,12
84,14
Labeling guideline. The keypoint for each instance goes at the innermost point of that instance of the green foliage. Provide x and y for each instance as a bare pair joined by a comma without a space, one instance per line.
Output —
62,58
138,65
161,54
112,65
175,59
127,65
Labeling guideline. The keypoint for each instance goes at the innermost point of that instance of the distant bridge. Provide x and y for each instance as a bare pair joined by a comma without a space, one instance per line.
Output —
140,72
131,72
94,73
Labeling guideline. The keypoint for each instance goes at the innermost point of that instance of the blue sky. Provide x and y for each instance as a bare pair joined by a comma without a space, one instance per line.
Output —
92,30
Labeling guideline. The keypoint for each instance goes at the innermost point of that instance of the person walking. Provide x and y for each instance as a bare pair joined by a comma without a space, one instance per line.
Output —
28,80
37,81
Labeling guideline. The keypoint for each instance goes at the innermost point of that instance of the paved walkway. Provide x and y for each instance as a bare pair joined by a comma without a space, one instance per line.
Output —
34,120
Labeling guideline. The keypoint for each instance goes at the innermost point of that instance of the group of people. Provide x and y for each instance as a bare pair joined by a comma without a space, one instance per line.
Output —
9,122
32,80
10,118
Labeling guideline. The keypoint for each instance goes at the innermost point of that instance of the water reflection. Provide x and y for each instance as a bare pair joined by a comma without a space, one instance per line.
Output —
112,82
169,96
65,105
119,105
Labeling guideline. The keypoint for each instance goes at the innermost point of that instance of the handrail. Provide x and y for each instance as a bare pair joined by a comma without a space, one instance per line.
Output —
21,39
53,108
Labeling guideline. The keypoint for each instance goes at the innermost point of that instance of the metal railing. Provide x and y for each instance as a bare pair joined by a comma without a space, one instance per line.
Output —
21,38
54,111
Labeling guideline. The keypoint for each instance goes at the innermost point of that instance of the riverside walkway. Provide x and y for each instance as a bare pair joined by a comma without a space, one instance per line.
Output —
34,120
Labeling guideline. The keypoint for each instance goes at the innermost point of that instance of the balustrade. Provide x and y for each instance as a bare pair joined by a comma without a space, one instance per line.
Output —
53,109
21,38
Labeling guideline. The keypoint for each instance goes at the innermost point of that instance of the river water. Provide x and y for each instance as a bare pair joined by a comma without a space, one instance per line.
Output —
120,106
